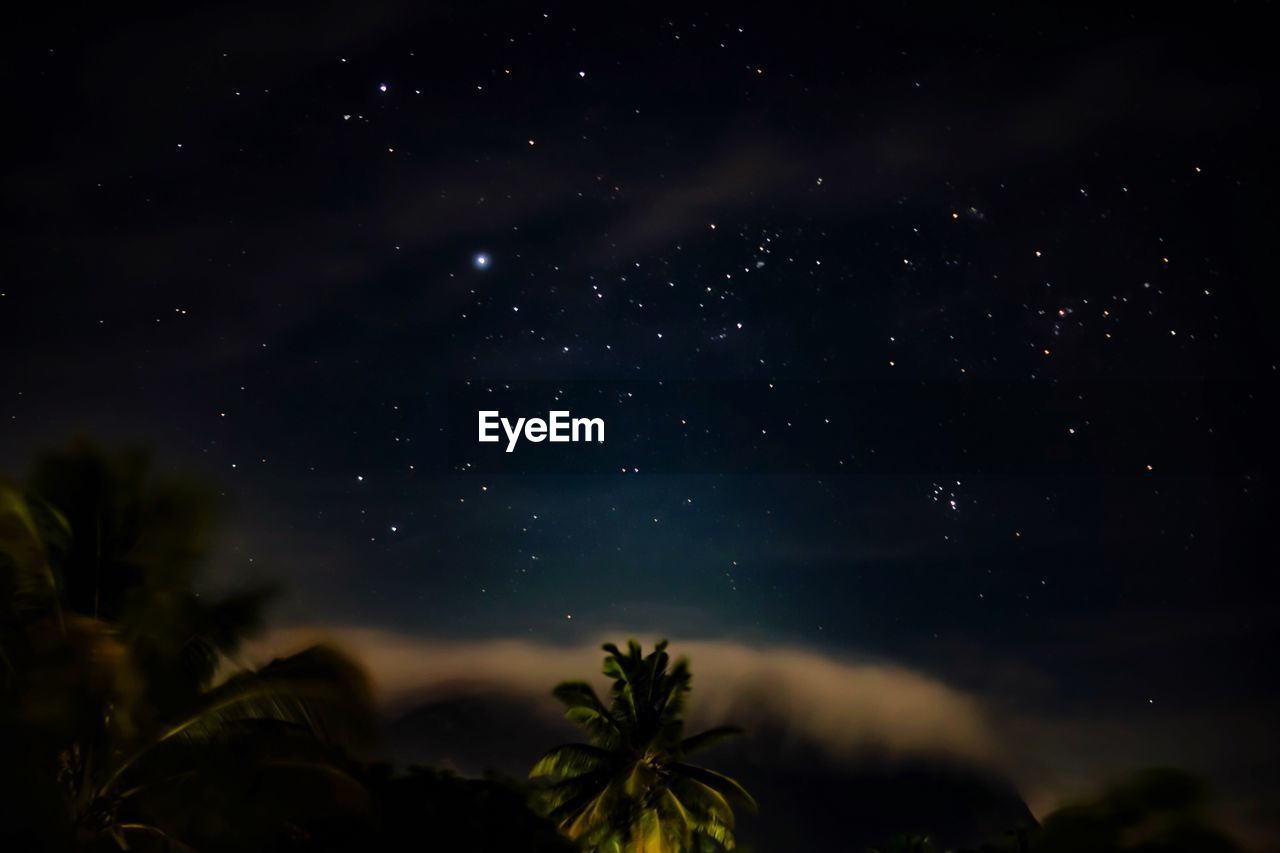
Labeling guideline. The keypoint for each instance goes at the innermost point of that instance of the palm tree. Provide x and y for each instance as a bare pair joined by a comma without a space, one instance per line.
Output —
113,725
630,788
129,546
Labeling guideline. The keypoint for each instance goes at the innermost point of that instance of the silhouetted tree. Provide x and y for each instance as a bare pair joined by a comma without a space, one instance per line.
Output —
630,788
1159,810
128,546
113,728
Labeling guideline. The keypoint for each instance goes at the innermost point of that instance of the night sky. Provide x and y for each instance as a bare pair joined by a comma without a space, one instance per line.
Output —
940,339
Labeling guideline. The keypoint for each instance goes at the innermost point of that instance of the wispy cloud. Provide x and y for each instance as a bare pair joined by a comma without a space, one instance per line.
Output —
849,705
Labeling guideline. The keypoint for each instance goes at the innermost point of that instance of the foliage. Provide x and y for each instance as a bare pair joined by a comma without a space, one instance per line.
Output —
128,546
115,729
1157,810
629,788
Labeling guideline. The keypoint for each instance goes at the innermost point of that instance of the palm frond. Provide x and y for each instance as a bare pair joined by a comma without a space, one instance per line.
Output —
628,789
584,708
29,582
709,738
170,842
570,759
705,802
716,781
318,691
592,813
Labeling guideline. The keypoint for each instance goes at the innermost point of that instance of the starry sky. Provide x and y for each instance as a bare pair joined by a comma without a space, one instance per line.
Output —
938,338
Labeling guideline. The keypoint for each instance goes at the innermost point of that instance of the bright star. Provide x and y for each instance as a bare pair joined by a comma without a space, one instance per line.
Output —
481,261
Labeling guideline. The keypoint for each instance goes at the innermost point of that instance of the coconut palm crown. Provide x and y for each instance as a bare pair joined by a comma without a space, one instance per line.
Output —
630,789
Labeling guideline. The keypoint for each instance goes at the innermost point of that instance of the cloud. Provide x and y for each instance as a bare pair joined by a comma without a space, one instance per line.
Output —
850,706
900,147
853,707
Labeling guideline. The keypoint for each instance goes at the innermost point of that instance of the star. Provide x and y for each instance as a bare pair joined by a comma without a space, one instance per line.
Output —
480,261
